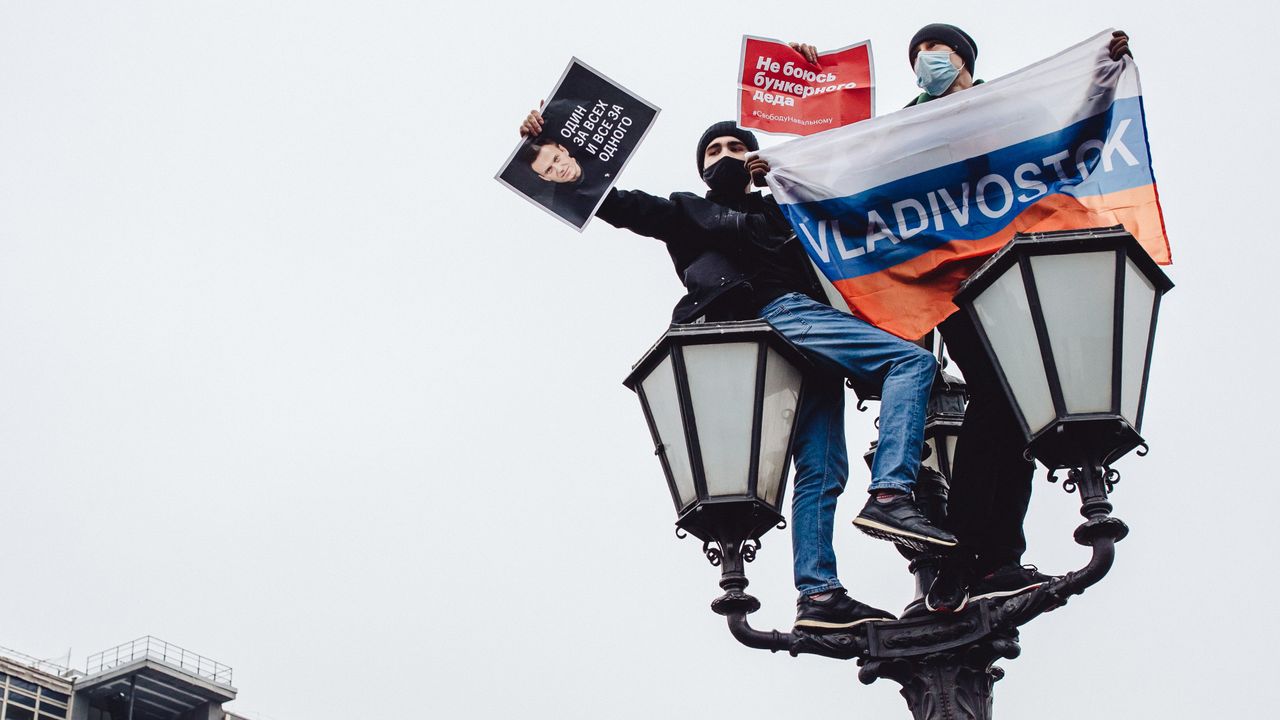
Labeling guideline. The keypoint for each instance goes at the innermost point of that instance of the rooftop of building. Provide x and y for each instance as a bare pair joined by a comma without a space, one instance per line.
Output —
161,681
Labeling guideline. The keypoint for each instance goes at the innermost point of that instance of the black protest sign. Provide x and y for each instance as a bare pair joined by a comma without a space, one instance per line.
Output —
591,126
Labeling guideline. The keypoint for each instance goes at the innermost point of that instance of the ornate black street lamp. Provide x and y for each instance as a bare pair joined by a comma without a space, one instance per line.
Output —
1068,320
720,400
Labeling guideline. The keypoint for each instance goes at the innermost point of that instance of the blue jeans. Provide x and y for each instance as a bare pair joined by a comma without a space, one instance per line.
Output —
840,346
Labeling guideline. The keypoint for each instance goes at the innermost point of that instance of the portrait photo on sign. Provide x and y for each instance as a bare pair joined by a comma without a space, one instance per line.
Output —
591,126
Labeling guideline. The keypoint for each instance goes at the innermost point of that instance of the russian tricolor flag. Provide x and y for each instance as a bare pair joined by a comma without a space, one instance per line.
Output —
897,211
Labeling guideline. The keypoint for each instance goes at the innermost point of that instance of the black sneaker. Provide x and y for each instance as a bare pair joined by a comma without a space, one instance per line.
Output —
900,521
949,591
1007,581
838,612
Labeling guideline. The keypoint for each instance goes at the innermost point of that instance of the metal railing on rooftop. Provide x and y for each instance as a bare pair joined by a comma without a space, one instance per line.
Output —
157,649
46,666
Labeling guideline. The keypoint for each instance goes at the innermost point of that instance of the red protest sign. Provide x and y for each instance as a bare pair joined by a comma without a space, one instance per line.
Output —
781,92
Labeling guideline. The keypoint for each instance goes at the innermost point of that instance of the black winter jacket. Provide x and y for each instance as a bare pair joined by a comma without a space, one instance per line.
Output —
733,254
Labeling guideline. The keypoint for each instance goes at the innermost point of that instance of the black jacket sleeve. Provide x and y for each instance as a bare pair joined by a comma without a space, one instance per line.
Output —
732,232
695,223
641,213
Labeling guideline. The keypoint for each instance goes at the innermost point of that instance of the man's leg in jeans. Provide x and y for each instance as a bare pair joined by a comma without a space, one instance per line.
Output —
843,344
822,469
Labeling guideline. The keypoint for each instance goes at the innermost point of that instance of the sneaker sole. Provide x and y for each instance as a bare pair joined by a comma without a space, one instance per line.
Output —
895,539
1008,593
824,625
963,604
901,537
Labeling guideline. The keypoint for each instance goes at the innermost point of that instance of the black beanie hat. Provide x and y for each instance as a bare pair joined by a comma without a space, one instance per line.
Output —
721,129
951,35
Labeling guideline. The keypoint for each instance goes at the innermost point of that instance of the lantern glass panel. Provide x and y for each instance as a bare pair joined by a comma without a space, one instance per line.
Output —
781,393
1078,297
722,385
1139,303
1005,316
948,442
933,460
664,406
942,453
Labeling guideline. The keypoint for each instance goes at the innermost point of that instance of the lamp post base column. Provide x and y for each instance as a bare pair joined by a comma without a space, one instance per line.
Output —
953,685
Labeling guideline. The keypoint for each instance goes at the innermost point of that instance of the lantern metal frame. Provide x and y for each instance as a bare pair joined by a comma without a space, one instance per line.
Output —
725,519
1105,435
944,419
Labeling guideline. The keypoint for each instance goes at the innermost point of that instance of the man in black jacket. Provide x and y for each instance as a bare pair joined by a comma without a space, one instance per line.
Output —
739,259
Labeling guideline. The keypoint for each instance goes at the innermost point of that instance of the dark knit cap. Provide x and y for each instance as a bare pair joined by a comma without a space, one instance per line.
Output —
952,36
721,129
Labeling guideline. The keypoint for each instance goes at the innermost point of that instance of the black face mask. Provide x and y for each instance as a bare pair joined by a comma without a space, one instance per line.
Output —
728,176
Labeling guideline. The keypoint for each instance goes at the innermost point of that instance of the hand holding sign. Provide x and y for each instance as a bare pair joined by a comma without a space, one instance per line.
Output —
532,124
809,52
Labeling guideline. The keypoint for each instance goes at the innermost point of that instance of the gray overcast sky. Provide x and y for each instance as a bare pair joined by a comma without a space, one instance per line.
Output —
289,380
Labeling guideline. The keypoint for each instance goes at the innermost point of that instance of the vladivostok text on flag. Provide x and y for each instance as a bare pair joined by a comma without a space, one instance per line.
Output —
897,211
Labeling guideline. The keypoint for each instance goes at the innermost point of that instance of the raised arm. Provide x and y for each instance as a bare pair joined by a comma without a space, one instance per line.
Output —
642,214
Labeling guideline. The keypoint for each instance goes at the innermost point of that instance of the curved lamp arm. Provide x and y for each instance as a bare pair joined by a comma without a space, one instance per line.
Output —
989,617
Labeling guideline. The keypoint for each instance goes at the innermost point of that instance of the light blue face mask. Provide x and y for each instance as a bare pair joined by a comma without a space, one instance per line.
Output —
934,71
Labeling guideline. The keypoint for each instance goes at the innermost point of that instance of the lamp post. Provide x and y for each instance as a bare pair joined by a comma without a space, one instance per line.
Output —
1068,320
